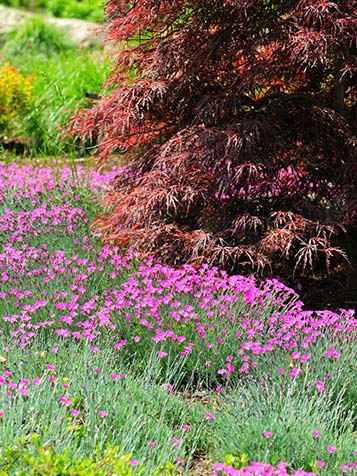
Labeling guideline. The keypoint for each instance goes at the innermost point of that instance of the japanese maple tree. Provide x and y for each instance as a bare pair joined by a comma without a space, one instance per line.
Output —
242,116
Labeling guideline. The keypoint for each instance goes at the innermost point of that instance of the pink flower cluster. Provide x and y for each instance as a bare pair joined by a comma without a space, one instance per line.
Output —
185,309
258,469
229,321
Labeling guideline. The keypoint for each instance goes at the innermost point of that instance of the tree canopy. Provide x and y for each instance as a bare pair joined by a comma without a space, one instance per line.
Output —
242,116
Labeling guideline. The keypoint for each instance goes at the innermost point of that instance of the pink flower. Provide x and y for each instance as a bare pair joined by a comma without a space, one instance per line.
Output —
137,339
186,427
113,376
97,370
180,460
24,391
209,416
331,449
75,412
134,462
102,414
120,344
320,464
294,372
316,433
177,442
332,352
161,353
320,386
267,434
1,414
63,399
152,444
51,367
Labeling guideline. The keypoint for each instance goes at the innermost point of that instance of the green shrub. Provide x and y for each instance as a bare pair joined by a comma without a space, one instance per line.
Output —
15,96
84,9
59,89
87,10
45,460
31,4
37,37
60,80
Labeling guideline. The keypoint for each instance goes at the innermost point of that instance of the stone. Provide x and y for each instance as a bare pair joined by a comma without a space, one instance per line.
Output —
83,33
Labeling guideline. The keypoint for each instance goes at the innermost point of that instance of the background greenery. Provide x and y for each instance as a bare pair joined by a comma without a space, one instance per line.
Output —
84,9
61,75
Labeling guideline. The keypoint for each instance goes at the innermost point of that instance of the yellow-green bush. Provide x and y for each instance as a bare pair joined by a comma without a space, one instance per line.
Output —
14,98
25,460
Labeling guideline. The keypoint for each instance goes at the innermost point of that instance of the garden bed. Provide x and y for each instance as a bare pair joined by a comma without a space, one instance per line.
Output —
111,365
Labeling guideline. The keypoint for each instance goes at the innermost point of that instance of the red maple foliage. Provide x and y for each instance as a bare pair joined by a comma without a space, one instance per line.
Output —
243,118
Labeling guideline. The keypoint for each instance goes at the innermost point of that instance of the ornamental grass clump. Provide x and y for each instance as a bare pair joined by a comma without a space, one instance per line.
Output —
36,36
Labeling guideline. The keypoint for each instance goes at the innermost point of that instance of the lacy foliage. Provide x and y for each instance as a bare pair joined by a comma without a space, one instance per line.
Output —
243,118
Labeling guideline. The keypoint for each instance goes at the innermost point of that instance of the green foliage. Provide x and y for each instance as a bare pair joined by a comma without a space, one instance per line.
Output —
15,96
59,89
37,37
30,4
91,10
238,461
87,10
62,74
291,413
39,460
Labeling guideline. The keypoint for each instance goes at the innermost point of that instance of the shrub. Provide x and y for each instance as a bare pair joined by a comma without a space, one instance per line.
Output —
15,96
246,143
59,89
37,37
60,81
85,9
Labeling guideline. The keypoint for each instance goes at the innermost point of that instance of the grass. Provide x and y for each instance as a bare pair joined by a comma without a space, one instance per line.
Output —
110,365
38,37
62,74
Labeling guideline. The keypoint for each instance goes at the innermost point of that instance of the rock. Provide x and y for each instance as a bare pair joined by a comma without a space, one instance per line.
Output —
81,32
10,18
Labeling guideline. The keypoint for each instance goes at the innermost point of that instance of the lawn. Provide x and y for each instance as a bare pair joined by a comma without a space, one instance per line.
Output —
114,365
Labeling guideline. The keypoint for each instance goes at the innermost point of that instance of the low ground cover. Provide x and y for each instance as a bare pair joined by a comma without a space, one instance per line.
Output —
111,365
